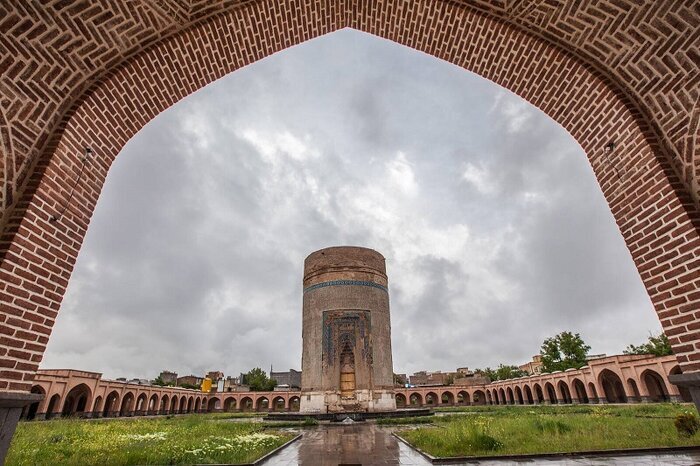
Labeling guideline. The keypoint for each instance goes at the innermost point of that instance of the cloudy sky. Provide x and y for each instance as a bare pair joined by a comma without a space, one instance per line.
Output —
495,232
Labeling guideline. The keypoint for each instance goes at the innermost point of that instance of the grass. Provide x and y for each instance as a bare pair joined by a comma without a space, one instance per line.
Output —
236,415
178,440
397,421
502,430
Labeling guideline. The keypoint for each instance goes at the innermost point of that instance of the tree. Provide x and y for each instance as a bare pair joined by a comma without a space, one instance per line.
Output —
509,372
258,381
564,351
488,372
503,372
657,345
191,386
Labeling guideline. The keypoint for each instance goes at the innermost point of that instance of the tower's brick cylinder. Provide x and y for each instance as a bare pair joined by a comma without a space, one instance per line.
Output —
346,359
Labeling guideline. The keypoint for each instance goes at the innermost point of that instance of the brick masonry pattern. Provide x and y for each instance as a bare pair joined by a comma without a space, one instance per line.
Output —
79,73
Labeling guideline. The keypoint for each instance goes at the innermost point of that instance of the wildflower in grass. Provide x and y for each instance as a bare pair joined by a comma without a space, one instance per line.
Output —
154,436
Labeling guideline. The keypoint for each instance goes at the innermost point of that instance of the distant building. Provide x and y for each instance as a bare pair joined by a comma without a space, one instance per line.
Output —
139,381
422,378
215,376
290,378
469,378
533,367
229,384
168,377
189,380
400,380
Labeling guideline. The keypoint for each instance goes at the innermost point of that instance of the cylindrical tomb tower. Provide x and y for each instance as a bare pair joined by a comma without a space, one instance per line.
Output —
346,359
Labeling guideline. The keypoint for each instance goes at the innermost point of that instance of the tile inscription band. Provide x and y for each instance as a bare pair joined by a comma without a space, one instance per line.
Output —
346,283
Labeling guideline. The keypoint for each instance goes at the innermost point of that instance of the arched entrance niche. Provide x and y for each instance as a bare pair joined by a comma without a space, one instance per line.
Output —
447,398
578,90
30,412
97,407
684,393
230,404
183,405
262,404
173,405
152,405
519,396
54,403
246,404
294,403
580,391
278,404
463,397
416,399
594,393
655,385
612,387
163,407
511,399
431,399
77,400
127,408
502,397
528,395
539,395
111,406
214,404
400,400
565,393
635,396
141,404
551,393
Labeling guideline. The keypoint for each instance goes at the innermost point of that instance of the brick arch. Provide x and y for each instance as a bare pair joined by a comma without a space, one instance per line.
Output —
246,404
518,395
447,397
152,406
650,202
230,403
415,397
655,386
164,404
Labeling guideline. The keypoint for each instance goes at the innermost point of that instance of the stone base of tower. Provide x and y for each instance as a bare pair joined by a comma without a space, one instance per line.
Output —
365,401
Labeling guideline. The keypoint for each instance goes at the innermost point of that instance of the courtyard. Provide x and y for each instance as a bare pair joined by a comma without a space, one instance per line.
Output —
478,431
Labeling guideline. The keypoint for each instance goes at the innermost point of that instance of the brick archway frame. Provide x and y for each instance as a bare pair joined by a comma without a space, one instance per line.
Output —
650,177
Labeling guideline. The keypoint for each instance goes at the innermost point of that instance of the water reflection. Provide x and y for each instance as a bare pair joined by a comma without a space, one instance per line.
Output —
354,444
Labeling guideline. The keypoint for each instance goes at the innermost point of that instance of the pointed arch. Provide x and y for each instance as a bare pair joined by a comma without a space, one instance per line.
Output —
655,386
580,391
611,384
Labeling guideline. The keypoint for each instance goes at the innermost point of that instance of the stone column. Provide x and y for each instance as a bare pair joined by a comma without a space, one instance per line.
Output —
11,405
691,381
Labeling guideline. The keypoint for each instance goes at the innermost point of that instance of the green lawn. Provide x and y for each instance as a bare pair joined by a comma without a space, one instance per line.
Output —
178,440
502,430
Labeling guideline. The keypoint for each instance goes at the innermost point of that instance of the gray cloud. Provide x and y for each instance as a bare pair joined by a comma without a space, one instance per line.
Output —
495,232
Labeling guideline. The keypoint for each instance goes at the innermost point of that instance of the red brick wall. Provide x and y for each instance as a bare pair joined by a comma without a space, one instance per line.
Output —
76,75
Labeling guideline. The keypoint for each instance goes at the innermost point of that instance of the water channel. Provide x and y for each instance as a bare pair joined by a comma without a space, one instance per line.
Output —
367,444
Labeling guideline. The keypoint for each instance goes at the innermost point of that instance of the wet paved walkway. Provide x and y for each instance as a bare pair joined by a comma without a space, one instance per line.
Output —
370,445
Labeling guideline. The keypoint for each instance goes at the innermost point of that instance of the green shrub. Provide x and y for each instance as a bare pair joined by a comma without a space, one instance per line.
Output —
481,441
687,424
551,426
601,411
